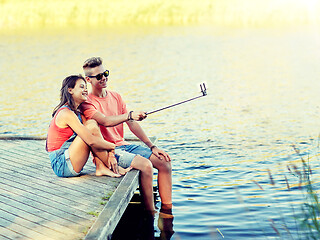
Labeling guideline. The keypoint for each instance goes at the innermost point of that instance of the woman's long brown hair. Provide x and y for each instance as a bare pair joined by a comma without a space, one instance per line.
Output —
65,96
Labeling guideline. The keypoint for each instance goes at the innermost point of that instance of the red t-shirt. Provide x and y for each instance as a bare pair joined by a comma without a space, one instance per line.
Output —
110,105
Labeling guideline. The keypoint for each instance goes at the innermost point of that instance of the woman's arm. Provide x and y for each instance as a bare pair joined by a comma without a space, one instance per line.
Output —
67,118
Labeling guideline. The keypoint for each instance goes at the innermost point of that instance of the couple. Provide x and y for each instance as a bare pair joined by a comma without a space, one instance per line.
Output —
85,123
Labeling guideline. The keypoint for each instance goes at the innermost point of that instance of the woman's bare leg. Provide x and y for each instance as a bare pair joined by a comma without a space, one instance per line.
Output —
102,170
123,171
78,153
103,156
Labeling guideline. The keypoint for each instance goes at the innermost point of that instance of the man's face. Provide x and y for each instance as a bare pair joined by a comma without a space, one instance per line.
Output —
98,84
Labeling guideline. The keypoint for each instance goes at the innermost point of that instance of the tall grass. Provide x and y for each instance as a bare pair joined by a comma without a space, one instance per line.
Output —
305,222
24,14
309,217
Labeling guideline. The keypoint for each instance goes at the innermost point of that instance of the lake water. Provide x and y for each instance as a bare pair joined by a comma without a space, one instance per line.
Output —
263,97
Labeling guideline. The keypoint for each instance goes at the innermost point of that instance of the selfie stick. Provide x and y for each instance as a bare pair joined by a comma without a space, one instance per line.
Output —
204,93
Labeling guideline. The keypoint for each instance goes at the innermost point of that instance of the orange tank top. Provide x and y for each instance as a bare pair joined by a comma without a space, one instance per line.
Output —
56,135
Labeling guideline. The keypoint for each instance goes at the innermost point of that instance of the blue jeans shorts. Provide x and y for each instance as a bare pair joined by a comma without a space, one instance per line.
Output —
126,153
60,160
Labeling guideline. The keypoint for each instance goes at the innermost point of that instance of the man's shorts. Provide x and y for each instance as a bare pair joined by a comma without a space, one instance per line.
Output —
126,153
60,160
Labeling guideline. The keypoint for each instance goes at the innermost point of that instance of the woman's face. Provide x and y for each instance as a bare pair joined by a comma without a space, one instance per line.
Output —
79,92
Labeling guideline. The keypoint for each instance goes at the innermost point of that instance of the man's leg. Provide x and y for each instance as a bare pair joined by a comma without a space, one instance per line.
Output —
164,179
146,179
164,173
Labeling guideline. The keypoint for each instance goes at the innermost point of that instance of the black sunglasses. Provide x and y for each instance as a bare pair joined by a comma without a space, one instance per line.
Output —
100,75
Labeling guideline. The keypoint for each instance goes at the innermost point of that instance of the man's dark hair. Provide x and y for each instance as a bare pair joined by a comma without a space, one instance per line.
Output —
92,62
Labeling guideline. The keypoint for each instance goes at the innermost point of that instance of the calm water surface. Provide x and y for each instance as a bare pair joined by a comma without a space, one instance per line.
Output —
263,97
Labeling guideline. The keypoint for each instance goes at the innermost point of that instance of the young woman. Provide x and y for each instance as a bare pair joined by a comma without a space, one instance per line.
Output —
71,139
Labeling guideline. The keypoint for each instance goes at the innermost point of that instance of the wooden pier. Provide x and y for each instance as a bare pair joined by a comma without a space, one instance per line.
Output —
36,204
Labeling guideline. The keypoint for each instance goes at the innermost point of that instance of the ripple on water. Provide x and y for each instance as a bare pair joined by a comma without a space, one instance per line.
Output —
259,104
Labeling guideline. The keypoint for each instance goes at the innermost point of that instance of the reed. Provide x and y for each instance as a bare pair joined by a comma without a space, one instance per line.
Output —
306,216
30,14
310,209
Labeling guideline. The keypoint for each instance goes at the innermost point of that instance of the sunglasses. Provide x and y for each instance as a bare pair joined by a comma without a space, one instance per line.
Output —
100,75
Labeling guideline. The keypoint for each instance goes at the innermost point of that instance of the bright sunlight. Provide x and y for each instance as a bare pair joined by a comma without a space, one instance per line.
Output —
30,14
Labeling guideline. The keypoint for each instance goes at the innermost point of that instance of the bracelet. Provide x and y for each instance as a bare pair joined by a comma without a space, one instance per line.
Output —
152,147
130,115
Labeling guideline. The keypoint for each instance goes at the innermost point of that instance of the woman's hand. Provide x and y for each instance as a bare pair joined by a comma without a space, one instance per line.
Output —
113,163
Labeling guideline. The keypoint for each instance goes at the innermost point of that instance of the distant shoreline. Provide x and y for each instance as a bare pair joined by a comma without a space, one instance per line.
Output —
33,14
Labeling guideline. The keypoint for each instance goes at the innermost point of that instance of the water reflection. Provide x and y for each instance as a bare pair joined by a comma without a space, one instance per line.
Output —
165,225
136,224
263,88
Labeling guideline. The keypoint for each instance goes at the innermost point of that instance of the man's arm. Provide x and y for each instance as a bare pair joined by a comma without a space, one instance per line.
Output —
111,121
137,130
90,112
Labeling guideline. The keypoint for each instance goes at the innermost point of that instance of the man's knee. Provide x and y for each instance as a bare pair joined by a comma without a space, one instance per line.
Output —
143,164
161,165
147,166
167,166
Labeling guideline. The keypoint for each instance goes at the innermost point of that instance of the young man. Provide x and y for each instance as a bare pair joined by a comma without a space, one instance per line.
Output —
109,110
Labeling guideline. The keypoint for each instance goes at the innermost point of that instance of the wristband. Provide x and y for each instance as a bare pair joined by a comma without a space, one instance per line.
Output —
130,115
152,147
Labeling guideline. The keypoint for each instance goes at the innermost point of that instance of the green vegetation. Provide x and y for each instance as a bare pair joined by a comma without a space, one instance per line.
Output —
304,223
106,198
108,195
31,14
85,230
94,213
308,218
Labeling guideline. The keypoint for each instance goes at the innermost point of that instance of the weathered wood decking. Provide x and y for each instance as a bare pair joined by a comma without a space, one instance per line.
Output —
36,204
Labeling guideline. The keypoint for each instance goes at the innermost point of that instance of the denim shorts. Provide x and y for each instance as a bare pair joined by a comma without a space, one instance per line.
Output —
60,160
126,153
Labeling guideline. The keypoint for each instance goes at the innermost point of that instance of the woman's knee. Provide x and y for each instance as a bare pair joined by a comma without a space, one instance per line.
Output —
93,126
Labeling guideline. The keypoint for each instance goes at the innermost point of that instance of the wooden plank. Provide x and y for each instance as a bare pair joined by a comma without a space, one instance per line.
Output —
33,186
10,188
36,204
9,234
58,222
35,226
15,155
68,189
19,227
114,209
20,166
52,227
41,208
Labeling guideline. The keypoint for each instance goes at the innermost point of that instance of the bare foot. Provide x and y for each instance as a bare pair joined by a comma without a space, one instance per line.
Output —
123,171
106,172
